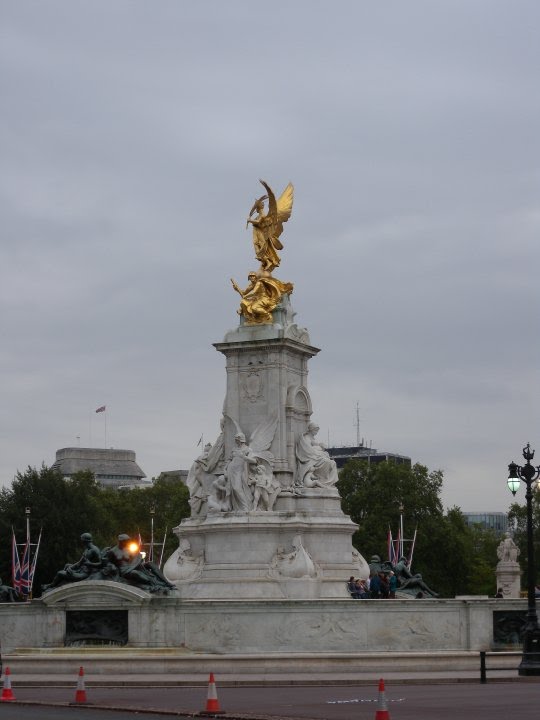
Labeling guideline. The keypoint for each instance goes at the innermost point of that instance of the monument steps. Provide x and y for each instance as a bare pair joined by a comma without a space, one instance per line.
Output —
179,666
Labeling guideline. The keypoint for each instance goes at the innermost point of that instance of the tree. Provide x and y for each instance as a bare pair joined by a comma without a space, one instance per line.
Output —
60,507
447,553
65,508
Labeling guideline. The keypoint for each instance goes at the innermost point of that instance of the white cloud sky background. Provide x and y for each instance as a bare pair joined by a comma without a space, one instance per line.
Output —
132,138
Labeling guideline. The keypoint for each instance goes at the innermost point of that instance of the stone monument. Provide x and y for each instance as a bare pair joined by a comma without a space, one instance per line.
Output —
266,518
508,571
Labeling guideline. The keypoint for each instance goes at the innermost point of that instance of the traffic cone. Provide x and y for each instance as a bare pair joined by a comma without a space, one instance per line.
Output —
7,692
80,694
382,706
212,702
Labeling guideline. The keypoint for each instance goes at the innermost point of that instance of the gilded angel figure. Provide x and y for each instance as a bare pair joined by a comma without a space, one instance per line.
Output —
268,227
260,297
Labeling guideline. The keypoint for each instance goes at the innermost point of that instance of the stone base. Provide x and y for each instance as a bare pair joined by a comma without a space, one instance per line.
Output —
240,555
509,579
258,627
163,666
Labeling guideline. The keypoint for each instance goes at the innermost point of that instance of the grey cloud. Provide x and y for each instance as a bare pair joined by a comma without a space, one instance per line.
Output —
133,136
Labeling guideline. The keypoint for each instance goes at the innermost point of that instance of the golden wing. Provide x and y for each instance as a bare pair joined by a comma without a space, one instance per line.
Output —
285,202
278,212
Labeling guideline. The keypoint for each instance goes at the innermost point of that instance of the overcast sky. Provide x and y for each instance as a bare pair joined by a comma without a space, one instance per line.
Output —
133,135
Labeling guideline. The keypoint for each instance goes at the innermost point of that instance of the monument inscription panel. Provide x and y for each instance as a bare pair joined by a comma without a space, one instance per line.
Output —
96,627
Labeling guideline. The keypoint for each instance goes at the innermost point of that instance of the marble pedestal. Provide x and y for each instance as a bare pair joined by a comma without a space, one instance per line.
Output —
243,553
509,578
296,545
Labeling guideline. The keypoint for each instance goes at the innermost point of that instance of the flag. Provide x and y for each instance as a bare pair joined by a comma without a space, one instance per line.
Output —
389,546
25,571
15,565
398,546
102,408
34,560
411,553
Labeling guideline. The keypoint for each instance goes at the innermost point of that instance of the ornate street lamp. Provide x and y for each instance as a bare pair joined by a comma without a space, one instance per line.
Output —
528,473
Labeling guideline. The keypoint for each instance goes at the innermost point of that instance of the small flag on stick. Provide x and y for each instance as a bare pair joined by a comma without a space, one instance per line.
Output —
101,409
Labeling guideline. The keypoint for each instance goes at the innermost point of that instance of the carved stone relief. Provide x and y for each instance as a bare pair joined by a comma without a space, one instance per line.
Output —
252,386
294,564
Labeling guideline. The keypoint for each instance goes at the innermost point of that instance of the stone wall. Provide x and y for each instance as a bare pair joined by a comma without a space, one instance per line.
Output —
260,626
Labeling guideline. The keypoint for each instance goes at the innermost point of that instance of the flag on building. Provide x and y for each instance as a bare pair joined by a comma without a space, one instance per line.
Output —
101,409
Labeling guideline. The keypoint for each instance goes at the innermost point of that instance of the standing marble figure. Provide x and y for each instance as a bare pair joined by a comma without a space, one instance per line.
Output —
237,474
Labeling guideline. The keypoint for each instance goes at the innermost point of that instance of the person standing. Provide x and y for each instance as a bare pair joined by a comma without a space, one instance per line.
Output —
392,585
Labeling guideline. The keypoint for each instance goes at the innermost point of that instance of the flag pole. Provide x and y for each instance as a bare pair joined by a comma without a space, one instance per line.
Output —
412,547
151,553
15,563
401,508
34,563
27,511
162,549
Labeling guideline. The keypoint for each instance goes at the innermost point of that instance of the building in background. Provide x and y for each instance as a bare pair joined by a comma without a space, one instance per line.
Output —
111,468
496,521
173,476
342,455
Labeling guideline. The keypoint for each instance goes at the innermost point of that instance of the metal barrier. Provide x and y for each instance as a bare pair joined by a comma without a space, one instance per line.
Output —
484,669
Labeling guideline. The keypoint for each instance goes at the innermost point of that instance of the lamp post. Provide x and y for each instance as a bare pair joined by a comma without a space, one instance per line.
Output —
528,473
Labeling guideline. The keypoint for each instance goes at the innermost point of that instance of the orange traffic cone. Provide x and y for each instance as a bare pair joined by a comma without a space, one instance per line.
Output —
382,706
212,702
80,694
7,692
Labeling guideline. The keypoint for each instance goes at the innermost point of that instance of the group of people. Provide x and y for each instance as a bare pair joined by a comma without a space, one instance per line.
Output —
384,580
379,585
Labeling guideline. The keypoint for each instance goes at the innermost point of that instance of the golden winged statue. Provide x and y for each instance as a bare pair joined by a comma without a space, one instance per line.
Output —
268,227
260,298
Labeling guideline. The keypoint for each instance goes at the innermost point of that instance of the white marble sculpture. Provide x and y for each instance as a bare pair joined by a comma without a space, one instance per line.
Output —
183,565
195,482
265,487
314,466
294,564
508,571
247,482
202,475
219,499
508,551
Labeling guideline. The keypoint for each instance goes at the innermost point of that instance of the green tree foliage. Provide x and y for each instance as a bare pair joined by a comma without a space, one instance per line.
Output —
67,508
452,558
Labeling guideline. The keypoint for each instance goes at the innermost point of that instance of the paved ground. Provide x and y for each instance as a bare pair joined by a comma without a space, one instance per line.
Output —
406,701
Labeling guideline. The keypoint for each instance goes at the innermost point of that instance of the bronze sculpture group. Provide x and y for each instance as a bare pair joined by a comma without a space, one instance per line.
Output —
119,563
9,594
408,583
